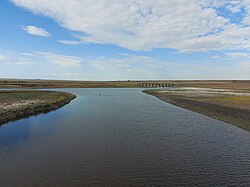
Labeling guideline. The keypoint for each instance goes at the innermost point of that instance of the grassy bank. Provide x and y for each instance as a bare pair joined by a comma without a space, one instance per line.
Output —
15,104
232,106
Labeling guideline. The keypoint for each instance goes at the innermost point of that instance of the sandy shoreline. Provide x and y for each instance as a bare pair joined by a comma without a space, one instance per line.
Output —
231,106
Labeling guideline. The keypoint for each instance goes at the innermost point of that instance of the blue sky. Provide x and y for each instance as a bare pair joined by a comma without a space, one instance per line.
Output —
125,39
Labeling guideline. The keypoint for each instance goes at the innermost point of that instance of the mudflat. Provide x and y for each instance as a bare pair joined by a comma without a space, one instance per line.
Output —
232,106
16,104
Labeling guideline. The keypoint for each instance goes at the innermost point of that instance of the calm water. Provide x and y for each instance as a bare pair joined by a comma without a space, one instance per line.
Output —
122,138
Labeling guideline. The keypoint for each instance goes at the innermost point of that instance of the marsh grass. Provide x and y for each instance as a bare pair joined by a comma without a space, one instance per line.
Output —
15,104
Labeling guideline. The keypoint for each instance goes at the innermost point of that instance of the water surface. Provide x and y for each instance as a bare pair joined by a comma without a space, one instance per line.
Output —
122,137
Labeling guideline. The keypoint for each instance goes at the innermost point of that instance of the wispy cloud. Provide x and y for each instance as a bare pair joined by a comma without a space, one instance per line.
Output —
235,55
13,60
60,60
120,67
216,57
69,42
33,30
245,65
2,58
34,58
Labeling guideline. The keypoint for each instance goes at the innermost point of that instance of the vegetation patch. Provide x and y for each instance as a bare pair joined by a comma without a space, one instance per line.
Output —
16,104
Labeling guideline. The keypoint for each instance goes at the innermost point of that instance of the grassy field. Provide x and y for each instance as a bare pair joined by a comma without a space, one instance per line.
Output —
14,83
18,104
66,84
219,84
232,106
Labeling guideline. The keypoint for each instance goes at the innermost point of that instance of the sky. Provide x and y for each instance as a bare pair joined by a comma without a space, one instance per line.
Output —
125,39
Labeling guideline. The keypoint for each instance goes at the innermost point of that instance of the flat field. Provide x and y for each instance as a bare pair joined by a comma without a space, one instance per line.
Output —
223,84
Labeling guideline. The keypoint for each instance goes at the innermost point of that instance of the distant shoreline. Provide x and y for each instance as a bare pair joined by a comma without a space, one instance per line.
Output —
235,115
18,104
42,84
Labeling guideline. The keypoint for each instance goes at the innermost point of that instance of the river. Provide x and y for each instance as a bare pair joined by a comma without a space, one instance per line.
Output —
122,137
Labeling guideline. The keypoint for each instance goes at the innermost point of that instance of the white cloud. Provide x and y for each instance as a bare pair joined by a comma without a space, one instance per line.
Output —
125,61
27,54
216,57
13,60
41,58
126,66
69,42
36,31
119,67
60,60
238,55
2,58
146,24
245,65
143,67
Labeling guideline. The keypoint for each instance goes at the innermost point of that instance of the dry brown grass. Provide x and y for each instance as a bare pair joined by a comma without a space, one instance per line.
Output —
233,85
243,85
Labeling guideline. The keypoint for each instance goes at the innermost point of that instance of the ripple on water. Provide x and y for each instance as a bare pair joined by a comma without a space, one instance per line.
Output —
123,138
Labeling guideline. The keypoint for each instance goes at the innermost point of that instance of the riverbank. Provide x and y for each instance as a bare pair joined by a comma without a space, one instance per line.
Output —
17,104
232,106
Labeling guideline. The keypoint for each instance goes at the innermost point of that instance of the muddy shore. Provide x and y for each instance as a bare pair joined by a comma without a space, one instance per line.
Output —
229,106
15,104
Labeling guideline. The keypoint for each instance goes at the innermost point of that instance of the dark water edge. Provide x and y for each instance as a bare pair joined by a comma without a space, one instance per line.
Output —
235,116
122,138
